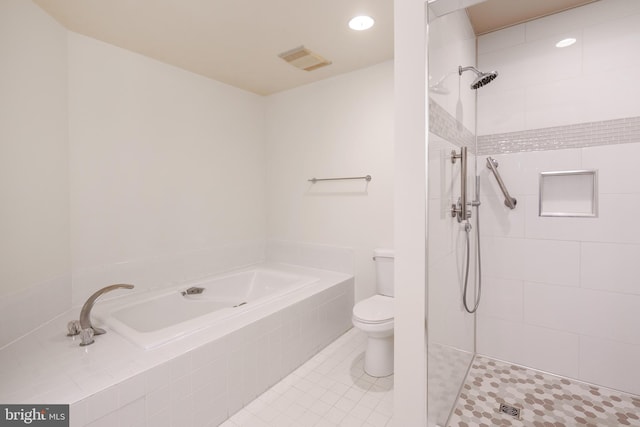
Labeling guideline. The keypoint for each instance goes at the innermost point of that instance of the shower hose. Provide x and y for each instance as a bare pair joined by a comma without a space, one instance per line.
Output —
467,229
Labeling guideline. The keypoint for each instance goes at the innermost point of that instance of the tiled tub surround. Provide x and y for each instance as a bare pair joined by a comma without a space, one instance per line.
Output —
200,379
544,400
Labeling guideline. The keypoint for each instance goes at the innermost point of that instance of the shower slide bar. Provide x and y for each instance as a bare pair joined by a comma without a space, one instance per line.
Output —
509,201
314,180
459,209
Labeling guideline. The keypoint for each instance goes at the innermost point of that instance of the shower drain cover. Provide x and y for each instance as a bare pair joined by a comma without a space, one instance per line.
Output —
511,410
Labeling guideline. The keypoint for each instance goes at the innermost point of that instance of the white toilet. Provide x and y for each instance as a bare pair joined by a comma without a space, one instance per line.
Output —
374,316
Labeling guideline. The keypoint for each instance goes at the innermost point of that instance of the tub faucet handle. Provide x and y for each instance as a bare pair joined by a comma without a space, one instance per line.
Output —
73,328
86,337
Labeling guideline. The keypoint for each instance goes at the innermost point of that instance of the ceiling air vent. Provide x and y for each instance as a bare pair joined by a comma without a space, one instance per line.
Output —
304,59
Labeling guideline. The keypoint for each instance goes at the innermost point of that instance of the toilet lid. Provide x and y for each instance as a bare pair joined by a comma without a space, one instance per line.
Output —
376,309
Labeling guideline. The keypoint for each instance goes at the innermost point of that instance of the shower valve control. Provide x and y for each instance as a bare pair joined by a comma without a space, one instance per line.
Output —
456,209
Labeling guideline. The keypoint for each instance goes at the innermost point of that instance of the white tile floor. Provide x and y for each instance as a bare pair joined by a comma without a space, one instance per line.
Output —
331,389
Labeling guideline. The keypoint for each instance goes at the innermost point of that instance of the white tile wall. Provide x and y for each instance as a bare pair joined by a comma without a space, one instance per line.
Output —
555,261
159,272
604,42
34,276
23,311
550,350
579,295
619,274
566,283
502,298
502,339
311,255
605,361
529,345
593,14
540,85
502,110
452,44
503,257
615,165
498,40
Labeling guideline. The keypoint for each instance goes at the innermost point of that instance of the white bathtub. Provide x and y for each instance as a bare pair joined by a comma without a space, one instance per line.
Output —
154,318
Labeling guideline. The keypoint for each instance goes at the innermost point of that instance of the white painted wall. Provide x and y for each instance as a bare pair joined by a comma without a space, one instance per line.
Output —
339,127
410,125
167,171
34,185
560,294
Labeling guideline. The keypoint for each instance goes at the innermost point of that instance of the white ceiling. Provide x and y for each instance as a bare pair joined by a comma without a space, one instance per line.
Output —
238,41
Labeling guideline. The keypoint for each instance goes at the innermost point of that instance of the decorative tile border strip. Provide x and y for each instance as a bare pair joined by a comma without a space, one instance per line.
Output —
589,134
446,126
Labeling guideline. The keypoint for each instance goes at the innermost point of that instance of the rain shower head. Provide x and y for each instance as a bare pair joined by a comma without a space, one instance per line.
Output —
481,79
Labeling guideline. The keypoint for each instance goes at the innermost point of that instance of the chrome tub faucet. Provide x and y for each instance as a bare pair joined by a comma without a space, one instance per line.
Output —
84,327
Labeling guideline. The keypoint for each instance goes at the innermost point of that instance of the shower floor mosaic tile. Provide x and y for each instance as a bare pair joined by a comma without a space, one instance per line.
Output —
329,390
544,400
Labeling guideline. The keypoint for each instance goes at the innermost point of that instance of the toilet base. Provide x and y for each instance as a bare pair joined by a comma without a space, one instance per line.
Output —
378,357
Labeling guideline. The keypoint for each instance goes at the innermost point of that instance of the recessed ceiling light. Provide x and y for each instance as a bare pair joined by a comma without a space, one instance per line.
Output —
360,23
566,42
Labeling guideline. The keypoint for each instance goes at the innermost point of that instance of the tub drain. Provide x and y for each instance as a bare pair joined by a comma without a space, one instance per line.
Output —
510,410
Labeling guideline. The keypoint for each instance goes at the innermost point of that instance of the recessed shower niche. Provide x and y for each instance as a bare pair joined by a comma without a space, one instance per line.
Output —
569,193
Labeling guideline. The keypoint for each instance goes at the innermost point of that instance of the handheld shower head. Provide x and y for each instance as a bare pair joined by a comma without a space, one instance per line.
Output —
481,78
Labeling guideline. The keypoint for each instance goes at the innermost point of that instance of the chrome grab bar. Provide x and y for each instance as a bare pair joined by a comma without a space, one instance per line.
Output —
509,201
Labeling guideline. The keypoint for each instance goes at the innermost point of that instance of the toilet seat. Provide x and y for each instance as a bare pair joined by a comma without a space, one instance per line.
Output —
374,310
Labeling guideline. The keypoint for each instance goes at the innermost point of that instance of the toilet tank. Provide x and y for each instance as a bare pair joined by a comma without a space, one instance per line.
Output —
384,271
